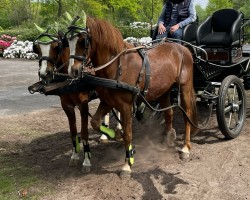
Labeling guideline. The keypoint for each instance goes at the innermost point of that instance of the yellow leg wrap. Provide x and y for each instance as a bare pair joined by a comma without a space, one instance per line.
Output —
129,155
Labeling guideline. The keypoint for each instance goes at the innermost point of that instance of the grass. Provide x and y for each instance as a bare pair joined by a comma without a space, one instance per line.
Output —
18,181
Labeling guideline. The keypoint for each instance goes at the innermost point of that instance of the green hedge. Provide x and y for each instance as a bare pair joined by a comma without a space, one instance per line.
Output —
21,33
31,34
134,32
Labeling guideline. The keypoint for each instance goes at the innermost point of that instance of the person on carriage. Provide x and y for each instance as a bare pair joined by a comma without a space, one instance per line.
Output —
175,15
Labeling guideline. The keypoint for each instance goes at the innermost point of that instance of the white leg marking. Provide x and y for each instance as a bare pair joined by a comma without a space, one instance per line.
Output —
75,156
106,120
126,166
185,150
86,161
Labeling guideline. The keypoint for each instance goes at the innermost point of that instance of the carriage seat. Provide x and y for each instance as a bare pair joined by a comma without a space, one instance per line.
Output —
222,29
188,32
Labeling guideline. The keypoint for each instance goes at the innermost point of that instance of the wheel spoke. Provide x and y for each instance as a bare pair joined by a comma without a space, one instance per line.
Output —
230,119
227,109
238,102
228,96
234,92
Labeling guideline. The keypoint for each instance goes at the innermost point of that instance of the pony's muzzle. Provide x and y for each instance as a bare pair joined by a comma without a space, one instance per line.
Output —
75,71
45,75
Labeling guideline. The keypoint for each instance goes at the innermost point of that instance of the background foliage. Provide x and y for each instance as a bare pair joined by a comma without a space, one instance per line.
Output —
17,17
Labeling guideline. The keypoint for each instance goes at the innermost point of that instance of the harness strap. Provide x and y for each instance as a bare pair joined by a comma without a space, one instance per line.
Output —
145,65
92,80
46,58
117,56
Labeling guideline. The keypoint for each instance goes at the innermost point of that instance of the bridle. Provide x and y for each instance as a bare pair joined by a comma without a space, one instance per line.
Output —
73,31
47,58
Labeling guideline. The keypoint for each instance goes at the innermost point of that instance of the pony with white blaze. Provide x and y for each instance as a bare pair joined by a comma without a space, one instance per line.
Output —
52,48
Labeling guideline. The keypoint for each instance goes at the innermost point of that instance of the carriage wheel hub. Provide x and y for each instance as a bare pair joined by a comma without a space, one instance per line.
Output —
235,107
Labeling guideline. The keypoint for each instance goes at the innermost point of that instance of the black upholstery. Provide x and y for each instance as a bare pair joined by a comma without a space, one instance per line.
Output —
223,28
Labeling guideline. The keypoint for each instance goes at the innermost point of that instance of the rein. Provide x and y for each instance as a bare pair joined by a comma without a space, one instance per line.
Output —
117,56
183,111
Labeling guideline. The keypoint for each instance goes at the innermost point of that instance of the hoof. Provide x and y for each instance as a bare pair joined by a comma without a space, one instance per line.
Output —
74,162
125,174
105,141
86,169
184,155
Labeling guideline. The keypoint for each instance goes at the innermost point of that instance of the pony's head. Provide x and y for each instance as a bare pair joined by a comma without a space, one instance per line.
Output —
79,42
53,51
91,39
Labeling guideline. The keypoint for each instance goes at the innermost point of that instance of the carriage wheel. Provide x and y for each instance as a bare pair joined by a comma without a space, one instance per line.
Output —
231,107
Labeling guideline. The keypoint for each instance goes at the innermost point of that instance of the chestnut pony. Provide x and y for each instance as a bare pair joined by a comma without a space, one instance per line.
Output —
53,52
112,58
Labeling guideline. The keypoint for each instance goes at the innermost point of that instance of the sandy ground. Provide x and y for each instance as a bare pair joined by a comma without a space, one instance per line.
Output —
217,168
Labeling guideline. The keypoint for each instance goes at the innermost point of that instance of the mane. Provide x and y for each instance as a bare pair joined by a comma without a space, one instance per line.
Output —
105,35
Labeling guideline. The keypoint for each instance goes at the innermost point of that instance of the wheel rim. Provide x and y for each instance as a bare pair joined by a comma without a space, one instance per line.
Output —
233,107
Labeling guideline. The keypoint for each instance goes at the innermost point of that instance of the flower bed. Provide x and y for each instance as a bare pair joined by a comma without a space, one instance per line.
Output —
20,49
5,42
24,49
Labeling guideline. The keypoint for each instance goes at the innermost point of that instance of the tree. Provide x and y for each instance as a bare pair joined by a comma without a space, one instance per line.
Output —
200,12
214,5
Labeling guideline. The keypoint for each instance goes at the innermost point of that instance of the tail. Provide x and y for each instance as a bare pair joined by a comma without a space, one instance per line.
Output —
194,130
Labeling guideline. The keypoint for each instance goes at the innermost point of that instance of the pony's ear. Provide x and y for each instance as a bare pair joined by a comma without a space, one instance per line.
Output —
41,30
60,34
62,37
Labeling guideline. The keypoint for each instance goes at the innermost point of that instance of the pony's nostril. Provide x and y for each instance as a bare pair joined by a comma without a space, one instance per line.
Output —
48,73
76,73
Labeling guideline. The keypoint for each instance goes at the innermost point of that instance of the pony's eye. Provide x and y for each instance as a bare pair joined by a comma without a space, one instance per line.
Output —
56,48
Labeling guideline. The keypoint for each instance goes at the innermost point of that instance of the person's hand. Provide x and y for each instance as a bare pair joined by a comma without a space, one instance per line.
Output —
174,28
161,29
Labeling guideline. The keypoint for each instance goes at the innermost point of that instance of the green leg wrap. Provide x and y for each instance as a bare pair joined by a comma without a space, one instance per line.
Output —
76,143
108,131
129,155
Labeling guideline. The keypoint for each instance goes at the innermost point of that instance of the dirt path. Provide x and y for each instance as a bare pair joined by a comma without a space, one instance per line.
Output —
218,169
40,142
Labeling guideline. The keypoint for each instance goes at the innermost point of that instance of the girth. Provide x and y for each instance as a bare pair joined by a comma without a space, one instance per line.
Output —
146,66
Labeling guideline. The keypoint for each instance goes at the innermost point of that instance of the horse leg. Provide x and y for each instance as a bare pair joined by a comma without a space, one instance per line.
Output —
126,116
68,108
118,129
102,110
189,105
170,134
84,109
104,138
96,121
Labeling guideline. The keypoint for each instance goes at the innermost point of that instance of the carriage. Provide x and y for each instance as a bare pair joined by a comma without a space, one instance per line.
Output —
221,60
216,70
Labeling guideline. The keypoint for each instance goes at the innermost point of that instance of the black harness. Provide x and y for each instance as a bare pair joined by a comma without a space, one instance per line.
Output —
53,39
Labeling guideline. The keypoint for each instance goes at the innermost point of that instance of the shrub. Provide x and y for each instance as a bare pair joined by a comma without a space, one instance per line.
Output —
22,33
136,29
